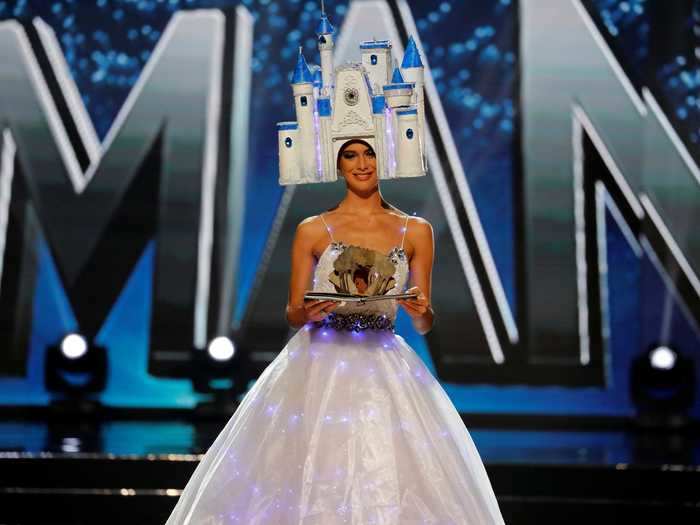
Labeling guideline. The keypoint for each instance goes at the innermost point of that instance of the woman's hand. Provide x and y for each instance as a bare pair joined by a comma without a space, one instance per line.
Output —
315,310
416,308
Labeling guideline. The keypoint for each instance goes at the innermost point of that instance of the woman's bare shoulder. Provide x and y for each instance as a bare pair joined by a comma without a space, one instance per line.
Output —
419,225
310,228
419,231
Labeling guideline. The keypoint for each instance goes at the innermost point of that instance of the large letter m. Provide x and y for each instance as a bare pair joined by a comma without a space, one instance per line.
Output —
167,170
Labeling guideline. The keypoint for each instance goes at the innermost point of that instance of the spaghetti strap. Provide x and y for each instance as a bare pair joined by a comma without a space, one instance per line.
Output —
405,227
328,228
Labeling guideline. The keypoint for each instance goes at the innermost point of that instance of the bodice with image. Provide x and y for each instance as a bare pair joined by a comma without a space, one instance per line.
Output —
346,268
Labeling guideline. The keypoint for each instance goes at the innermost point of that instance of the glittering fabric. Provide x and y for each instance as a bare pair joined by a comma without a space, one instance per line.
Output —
356,322
342,428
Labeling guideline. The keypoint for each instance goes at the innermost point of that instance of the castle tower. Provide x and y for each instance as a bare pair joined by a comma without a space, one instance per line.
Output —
304,103
289,148
409,160
413,71
404,139
326,41
398,94
376,59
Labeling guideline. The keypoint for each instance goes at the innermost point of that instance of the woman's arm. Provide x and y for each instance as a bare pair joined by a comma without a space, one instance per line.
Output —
421,268
299,311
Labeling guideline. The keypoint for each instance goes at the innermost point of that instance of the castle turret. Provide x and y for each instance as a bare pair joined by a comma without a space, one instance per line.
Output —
399,94
409,160
413,71
304,103
288,138
326,41
376,59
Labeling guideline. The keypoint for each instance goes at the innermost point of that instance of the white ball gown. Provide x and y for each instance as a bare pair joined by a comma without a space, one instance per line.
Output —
345,426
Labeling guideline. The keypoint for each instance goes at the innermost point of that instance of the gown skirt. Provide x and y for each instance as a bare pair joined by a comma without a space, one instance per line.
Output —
342,428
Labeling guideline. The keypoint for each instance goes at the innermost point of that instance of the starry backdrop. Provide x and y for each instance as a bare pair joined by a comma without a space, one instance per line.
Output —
472,48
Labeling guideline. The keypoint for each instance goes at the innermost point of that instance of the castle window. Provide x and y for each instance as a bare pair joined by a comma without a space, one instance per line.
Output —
288,142
304,102
322,39
373,59
409,133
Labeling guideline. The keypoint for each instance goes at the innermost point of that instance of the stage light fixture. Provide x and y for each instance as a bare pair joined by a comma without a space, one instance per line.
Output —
662,386
75,367
223,371
74,346
221,349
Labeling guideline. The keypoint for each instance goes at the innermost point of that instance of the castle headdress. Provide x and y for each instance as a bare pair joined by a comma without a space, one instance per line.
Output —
367,101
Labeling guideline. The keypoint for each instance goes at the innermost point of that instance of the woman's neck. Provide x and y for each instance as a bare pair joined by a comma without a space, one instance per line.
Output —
362,204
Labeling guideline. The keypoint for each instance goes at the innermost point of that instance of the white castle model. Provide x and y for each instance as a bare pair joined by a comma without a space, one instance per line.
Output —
363,101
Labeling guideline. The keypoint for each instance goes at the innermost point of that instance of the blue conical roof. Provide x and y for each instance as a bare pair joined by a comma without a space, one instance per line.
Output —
397,77
302,75
324,26
411,57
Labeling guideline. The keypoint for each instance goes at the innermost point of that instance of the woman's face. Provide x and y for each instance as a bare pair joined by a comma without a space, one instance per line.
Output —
358,165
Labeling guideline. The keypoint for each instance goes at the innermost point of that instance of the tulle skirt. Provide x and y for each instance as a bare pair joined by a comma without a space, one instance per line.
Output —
341,428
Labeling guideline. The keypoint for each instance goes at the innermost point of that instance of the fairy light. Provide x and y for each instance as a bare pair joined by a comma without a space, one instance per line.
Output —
317,143
391,147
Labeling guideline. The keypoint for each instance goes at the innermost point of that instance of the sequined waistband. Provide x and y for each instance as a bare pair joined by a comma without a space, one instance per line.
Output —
356,322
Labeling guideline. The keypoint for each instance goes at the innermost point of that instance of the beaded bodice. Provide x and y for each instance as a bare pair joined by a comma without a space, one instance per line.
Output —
381,309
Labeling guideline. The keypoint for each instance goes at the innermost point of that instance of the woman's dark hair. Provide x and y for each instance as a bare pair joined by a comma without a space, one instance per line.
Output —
348,143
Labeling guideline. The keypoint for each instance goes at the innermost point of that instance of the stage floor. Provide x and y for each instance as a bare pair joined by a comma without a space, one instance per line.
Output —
89,471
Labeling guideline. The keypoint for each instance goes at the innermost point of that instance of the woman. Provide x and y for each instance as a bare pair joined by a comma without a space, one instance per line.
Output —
347,425
363,218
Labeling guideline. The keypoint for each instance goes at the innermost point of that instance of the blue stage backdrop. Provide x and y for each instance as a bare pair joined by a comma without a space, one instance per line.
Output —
139,202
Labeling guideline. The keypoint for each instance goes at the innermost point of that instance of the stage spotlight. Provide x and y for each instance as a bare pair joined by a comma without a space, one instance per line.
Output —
74,346
662,358
662,385
221,349
221,370
75,368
